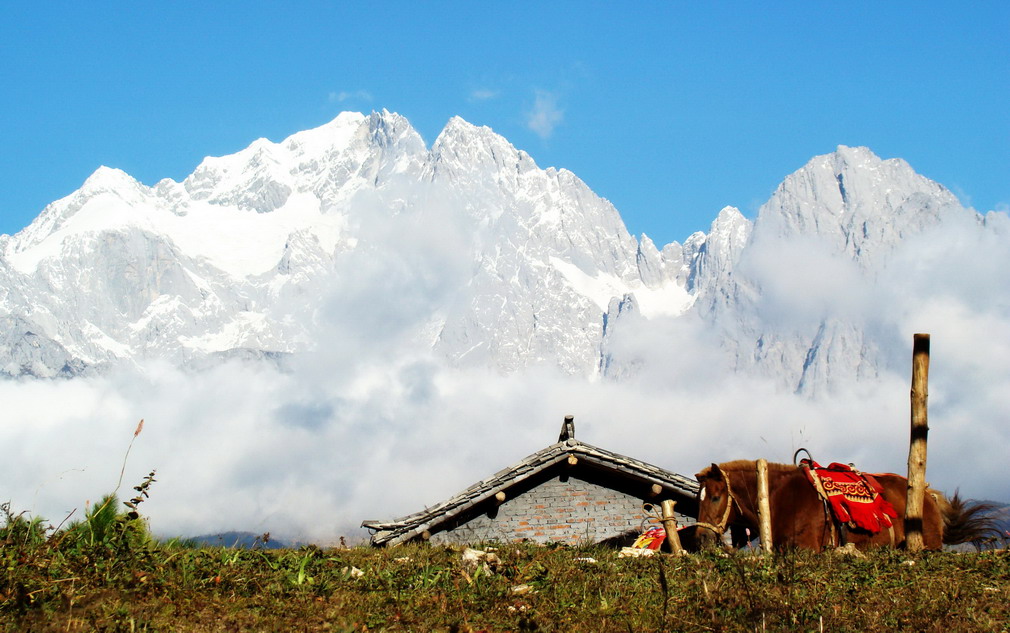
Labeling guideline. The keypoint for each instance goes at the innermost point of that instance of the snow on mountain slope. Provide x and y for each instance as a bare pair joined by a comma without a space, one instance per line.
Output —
548,254
856,204
235,212
801,301
468,248
230,257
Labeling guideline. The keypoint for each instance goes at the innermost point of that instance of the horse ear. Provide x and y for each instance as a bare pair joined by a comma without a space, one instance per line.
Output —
715,471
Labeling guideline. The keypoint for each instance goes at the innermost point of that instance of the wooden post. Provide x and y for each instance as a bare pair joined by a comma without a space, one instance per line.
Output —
917,447
764,508
670,525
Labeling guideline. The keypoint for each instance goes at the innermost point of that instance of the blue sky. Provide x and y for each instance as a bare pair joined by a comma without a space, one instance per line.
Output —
670,110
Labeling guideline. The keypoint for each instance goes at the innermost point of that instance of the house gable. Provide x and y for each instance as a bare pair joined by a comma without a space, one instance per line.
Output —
561,509
568,492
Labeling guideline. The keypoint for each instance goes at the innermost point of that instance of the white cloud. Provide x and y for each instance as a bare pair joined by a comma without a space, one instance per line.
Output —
962,196
312,453
545,115
360,430
343,95
803,281
483,94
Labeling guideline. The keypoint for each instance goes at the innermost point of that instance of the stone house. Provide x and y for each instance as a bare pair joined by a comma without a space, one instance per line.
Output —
569,492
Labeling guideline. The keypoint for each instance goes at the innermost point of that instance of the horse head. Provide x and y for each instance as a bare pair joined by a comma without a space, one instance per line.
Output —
715,504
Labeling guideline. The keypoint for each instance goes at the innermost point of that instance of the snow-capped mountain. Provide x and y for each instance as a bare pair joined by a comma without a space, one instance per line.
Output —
800,298
530,266
227,259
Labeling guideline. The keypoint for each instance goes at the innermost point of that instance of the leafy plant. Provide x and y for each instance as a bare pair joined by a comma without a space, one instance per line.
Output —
107,525
20,529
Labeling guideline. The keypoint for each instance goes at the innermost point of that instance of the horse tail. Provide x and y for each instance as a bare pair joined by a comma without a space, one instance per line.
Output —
966,521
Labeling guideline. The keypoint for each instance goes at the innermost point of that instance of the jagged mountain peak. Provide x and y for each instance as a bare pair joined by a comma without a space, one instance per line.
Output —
729,218
107,178
262,176
386,125
854,202
713,256
862,158
335,134
87,209
457,122
457,126
479,145
728,233
853,179
854,154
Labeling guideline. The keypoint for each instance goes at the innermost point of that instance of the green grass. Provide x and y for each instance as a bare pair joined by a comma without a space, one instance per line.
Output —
105,572
72,580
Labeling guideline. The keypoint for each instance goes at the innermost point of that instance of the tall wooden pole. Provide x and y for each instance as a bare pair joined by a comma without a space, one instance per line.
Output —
764,508
917,447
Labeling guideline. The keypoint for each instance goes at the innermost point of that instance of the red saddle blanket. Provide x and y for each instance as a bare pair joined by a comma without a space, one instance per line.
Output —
854,498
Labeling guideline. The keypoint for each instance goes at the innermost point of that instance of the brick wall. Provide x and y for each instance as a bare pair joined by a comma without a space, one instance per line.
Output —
573,511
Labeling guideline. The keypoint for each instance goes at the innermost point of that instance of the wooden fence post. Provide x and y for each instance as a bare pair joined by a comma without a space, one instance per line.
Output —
670,525
915,498
764,508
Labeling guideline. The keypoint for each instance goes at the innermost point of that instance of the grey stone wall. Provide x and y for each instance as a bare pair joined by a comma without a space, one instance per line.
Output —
573,511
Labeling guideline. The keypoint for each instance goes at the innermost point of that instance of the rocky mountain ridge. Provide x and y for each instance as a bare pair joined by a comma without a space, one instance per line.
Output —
508,265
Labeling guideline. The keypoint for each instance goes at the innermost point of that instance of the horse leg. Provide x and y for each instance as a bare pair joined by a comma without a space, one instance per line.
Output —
802,529
798,516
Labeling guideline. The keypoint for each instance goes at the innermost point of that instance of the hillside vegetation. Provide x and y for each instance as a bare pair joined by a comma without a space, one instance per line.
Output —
105,573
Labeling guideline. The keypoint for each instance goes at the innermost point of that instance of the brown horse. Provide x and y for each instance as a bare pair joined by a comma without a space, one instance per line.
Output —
728,496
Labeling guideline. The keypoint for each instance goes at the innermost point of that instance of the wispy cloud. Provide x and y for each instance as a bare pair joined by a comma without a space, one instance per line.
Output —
343,95
545,115
484,94
962,195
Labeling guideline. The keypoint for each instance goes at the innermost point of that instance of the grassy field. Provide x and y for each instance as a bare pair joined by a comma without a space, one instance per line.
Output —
105,573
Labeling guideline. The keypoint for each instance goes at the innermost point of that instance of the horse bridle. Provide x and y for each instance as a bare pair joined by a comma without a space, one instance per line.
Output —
720,527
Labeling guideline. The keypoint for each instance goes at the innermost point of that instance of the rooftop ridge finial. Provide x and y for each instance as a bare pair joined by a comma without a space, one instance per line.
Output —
567,429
